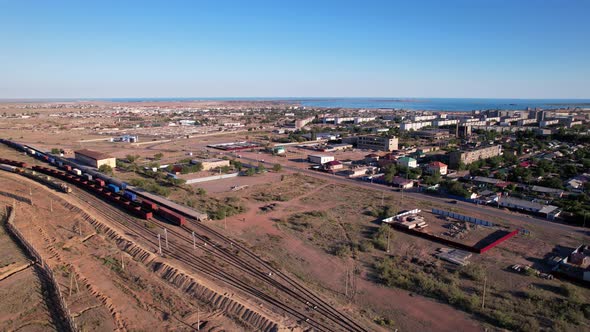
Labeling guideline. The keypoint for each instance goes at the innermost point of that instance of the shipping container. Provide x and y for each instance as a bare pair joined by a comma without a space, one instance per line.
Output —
131,196
88,176
113,188
99,182
77,171
174,217
149,205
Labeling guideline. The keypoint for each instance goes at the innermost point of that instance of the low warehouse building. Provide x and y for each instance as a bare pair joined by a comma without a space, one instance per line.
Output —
319,158
94,158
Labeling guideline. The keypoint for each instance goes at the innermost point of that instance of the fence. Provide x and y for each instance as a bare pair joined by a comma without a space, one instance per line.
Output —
212,178
62,307
463,218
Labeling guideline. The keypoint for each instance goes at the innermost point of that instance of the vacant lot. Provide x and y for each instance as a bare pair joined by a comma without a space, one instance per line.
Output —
330,236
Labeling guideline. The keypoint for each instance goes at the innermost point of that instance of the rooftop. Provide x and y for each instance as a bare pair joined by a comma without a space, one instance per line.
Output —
437,164
93,154
333,163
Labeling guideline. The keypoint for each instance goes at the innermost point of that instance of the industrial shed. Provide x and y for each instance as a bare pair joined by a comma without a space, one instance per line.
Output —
94,158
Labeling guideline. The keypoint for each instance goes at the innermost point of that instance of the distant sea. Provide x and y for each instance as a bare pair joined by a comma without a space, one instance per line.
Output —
426,104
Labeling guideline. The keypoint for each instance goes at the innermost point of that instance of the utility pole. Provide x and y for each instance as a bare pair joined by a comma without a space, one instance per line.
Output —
166,236
159,244
346,283
122,263
388,232
483,298
71,282
194,242
51,205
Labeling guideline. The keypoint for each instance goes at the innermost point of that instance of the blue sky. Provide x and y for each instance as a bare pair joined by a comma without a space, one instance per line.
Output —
222,48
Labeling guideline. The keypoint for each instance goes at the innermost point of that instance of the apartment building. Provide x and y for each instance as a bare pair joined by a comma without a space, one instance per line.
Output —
374,142
468,156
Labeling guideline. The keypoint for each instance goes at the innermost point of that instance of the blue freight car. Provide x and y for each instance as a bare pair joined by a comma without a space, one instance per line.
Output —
113,188
130,195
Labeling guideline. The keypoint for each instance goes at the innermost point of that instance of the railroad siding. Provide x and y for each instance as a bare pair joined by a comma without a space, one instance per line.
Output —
184,282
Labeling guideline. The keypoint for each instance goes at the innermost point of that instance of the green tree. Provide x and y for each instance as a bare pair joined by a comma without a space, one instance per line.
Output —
158,156
260,168
106,169
277,167
250,171
461,166
198,166
237,164
432,179
390,172
132,158
55,151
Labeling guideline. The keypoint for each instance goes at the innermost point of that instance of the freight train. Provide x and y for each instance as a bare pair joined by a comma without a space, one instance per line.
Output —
46,180
109,193
99,184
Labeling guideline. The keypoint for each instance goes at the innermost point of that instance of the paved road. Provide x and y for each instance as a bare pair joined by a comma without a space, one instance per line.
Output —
516,219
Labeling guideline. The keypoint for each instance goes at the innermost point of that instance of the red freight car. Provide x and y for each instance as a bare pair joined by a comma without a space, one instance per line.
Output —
174,217
99,182
149,205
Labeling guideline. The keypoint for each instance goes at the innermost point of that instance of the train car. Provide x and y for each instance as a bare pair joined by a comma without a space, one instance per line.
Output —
43,178
99,182
77,171
174,217
149,205
131,196
88,176
68,168
8,168
113,188
13,163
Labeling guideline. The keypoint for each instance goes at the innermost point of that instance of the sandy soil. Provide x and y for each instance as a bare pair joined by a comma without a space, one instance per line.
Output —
107,296
327,273
22,307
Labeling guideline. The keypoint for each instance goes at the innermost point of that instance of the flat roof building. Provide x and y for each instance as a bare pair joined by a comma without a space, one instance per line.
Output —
94,158
468,156
374,142
319,158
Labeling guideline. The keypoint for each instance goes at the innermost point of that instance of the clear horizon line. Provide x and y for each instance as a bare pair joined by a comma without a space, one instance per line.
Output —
280,98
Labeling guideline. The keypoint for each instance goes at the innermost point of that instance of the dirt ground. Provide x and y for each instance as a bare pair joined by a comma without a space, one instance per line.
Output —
22,307
299,222
102,294
313,264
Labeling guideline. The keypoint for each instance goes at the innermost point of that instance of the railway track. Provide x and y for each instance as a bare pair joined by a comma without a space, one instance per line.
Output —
318,303
320,317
